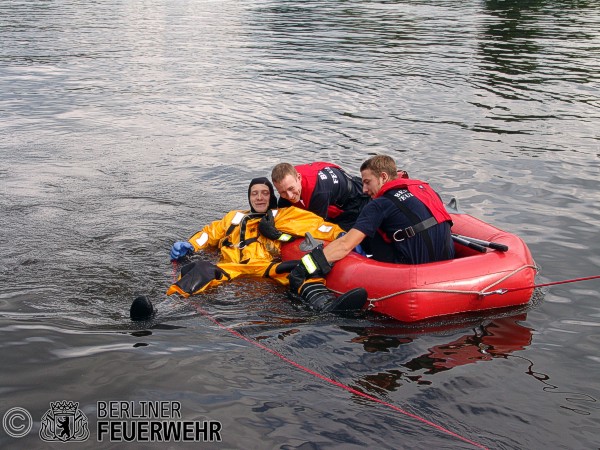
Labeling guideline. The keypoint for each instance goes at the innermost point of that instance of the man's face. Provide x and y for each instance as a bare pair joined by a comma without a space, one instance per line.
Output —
290,188
259,197
372,183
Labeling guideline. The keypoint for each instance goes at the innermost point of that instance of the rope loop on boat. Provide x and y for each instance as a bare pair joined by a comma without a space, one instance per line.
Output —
481,293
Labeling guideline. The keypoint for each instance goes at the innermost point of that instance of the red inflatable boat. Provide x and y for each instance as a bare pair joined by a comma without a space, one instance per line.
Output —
475,280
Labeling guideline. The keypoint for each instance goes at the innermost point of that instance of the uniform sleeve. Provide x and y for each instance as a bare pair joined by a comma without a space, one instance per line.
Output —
330,188
212,233
319,203
370,218
298,222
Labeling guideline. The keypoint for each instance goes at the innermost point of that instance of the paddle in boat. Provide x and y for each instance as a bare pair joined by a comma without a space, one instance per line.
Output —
489,266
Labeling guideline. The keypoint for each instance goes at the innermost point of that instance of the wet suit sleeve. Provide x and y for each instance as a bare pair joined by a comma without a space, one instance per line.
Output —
211,234
298,222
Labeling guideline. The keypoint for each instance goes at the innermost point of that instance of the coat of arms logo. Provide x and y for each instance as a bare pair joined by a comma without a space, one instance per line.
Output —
64,422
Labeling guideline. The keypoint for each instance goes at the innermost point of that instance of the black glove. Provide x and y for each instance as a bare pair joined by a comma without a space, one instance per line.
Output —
313,264
267,228
197,274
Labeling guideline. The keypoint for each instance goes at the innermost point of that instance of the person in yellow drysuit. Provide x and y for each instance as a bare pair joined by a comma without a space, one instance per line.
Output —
245,251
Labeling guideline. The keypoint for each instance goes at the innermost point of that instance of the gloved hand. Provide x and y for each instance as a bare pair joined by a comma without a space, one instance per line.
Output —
297,277
313,264
180,249
195,277
267,228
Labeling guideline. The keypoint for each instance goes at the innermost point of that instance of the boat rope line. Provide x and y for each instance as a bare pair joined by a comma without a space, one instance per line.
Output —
552,283
334,382
480,293
483,292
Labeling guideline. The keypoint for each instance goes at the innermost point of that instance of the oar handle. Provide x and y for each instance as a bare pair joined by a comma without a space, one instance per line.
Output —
499,247
466,243
494,245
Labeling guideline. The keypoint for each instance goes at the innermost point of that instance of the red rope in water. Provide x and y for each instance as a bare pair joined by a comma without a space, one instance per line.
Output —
573,280
359,393
336,383
174,266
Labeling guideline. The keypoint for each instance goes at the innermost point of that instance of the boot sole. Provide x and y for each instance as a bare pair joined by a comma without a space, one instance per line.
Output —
351,301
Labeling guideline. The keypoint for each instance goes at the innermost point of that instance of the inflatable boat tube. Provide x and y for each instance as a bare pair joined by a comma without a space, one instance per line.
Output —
475,280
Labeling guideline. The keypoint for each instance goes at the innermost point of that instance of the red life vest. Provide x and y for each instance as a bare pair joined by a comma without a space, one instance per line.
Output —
310,174
423,192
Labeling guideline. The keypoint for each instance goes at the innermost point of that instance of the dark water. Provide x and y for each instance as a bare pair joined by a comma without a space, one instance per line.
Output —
128,125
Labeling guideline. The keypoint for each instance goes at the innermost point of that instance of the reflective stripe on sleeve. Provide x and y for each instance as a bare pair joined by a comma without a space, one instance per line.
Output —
309,263
202,239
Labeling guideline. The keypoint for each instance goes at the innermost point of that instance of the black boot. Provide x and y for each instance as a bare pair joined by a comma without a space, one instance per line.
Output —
141,308
321,300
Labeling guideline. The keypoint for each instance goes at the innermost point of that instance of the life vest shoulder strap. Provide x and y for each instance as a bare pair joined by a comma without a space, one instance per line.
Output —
240,220
418,225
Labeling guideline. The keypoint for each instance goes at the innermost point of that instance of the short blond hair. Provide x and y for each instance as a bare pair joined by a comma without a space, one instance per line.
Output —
282,170
379,164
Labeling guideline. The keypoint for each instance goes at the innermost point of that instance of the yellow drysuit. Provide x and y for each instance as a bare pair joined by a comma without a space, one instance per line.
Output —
244,252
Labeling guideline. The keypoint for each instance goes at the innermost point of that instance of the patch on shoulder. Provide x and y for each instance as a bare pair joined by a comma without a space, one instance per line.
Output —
237,218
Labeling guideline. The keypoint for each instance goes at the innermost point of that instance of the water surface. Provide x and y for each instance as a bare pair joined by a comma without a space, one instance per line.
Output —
129,125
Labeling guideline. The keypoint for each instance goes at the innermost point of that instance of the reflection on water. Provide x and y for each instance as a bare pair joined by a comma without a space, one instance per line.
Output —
497,339
577,402
502,337
510,49
523,47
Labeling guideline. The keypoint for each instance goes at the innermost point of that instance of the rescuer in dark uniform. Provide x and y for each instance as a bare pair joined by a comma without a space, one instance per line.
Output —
322,188
406,222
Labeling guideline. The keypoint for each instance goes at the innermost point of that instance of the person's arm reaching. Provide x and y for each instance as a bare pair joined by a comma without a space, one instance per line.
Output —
339,248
